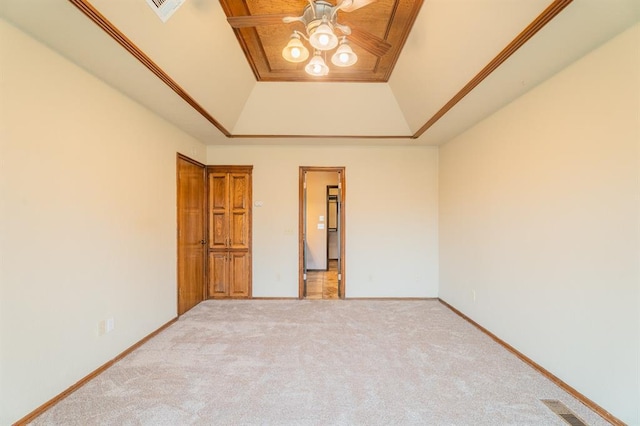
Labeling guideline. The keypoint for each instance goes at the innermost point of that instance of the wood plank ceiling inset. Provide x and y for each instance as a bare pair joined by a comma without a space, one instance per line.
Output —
390,20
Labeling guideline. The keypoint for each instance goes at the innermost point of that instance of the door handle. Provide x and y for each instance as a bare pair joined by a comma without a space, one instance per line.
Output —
203,242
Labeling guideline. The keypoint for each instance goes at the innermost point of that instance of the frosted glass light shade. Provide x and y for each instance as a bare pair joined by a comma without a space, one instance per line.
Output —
316,66
295,51
344,56
323,38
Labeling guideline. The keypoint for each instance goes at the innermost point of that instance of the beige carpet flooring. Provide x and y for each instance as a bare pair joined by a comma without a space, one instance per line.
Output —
289,362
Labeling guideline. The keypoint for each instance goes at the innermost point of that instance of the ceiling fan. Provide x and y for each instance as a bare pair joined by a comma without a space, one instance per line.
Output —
320,20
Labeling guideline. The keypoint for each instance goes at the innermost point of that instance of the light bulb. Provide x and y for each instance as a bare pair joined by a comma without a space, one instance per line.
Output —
344,56
316,66
323,39
295,51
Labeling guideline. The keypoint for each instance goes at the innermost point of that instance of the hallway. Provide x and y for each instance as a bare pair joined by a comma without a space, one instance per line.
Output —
323,284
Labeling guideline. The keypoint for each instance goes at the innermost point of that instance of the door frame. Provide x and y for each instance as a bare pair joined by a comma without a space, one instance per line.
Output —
342,182
179,158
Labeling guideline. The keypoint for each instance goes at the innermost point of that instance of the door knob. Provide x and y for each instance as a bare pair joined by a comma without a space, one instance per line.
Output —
203,242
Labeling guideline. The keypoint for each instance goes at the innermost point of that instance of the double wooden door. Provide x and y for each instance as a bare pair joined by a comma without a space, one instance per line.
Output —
229,242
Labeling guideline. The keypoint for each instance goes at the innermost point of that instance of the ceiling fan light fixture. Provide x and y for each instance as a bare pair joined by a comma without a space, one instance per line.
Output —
323,38
295,51
344,55
316,66
320,20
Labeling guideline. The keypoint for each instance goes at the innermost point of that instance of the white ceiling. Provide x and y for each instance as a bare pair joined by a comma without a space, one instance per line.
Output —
451,41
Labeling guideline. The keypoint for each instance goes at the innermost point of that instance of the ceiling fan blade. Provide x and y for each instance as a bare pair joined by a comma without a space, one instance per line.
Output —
256,20
355,4
369,42
344,29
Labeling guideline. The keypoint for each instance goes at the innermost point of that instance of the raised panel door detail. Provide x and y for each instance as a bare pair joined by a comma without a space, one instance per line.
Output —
239,191
218,234
240,198
218,191
239,274
239,231
218,274
218,210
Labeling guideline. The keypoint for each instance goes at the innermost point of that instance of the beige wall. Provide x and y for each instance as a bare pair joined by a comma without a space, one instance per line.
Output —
391,216
87,201
539,217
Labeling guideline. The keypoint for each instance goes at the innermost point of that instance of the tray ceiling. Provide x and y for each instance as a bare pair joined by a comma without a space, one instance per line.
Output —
383,21
461,61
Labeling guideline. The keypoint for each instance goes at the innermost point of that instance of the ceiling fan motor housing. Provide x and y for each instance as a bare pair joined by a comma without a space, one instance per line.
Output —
314,16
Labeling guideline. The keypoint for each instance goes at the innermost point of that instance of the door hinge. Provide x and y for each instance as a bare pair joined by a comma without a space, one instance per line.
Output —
339,277
304,277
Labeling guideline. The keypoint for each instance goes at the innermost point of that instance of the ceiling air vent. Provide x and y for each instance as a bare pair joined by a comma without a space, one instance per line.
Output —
563,412
164,8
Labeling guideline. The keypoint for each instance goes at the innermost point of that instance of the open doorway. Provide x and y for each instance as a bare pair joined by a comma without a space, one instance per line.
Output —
321,239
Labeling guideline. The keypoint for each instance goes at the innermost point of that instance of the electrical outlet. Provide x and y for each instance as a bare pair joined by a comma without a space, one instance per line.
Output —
106,326
110,325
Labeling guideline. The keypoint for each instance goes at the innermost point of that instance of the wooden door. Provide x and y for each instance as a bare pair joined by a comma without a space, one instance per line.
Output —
229,189
191,233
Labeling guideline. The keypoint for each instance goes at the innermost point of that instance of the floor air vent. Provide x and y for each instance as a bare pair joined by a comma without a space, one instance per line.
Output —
563,412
